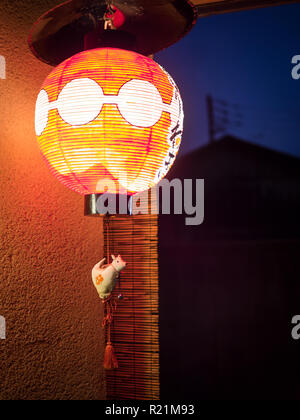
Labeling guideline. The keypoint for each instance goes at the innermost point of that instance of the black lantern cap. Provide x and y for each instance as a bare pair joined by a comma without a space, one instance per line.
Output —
147,26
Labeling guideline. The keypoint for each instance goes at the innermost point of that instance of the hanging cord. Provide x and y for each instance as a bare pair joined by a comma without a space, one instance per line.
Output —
110,360
106,229
120,294
110,306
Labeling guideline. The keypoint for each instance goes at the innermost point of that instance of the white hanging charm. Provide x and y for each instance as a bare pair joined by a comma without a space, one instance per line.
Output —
105,276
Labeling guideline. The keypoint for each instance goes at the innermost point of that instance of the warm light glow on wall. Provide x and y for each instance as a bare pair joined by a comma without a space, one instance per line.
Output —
109,114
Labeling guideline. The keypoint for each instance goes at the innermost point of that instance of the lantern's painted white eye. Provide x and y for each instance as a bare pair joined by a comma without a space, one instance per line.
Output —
80,101
140,103
41,112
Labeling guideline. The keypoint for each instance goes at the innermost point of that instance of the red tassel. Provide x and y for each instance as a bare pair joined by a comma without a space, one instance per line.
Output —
110,360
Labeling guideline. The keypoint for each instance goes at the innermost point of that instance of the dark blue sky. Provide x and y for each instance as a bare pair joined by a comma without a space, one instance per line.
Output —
243,60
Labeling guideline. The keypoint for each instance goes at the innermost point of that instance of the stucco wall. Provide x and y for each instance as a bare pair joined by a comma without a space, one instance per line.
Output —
54,345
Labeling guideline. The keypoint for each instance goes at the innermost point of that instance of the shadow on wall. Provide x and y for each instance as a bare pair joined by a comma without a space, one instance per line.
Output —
230,287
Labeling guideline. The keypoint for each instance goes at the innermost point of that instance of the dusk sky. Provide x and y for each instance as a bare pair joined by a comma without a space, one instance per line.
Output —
243,60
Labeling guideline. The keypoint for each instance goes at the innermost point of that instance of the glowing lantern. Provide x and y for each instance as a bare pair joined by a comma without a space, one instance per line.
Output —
109,114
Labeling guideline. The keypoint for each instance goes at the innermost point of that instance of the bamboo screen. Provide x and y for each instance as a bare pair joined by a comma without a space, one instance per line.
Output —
135,331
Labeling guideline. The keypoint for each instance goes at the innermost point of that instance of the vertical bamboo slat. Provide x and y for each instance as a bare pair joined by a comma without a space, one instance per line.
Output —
135,332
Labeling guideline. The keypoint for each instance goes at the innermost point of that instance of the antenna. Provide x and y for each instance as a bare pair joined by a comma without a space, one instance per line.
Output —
211,118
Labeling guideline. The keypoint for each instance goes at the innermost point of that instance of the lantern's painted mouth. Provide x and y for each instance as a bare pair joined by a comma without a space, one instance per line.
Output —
80,160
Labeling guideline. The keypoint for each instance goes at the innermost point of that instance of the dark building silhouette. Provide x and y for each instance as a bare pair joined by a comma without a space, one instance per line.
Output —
230,287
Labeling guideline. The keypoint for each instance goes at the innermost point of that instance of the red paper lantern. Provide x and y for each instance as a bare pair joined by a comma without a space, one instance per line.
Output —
109,114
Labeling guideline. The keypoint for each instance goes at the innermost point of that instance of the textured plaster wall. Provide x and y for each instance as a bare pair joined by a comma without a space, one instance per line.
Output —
54,345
